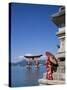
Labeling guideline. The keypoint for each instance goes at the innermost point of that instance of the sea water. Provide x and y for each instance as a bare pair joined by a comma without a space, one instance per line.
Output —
23,76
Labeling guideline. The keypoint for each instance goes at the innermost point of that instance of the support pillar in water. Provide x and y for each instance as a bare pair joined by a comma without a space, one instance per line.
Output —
29,64
36,63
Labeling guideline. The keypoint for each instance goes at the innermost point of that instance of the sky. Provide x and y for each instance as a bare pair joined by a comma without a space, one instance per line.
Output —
32,31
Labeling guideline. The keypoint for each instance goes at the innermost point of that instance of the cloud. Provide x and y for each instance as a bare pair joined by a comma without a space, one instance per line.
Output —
43,57
28,54
19,58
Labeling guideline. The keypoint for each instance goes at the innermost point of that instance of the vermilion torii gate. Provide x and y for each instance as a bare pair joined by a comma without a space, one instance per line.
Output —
35,58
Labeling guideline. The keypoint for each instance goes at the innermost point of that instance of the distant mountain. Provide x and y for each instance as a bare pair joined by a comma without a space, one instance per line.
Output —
24,62
21,63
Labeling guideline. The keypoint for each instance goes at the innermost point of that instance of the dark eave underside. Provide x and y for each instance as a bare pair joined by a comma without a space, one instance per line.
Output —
33,56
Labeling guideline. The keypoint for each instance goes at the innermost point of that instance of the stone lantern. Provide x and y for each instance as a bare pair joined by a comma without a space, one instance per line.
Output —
59,20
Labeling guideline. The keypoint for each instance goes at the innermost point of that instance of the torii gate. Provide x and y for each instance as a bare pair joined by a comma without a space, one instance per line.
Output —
35,58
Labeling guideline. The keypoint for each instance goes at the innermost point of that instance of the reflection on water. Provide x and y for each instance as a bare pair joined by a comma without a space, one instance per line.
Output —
22,76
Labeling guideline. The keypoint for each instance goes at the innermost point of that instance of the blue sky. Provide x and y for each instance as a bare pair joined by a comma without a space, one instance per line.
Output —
32,30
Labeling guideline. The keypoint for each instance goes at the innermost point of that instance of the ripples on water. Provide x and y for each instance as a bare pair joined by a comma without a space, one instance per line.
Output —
21,76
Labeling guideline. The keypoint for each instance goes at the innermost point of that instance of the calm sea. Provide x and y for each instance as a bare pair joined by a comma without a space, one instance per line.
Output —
21,76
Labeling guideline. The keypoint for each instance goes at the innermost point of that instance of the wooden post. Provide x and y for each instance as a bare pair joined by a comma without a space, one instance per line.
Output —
36,62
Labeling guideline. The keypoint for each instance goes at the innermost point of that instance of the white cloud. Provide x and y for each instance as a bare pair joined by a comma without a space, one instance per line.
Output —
28,54
43,57
18,59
